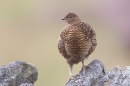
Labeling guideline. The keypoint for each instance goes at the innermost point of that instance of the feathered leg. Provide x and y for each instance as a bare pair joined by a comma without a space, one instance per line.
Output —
70,71
83,66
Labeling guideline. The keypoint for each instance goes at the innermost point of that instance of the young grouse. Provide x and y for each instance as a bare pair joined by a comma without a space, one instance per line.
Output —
76,41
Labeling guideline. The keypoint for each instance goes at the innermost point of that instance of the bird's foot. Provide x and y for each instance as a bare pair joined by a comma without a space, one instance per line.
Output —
87,66
84,68
71,77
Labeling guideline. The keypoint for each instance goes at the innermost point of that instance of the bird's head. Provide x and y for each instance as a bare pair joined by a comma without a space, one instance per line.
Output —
71,18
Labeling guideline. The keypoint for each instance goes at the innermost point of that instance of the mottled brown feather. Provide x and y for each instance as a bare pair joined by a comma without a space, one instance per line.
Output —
77,40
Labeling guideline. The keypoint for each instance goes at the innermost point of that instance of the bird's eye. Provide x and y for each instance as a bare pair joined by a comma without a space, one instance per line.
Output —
70,17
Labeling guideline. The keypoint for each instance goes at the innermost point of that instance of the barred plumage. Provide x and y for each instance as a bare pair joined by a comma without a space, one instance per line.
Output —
76,41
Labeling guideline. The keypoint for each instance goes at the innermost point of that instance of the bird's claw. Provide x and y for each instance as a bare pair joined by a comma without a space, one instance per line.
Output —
71,77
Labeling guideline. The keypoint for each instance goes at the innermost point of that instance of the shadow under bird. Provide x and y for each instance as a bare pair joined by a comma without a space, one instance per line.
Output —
77,41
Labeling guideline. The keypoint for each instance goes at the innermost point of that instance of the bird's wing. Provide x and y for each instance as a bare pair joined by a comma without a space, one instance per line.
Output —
61,43
89,33
89,36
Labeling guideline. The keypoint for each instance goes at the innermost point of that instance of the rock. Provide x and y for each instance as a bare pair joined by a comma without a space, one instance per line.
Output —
96,75
17,74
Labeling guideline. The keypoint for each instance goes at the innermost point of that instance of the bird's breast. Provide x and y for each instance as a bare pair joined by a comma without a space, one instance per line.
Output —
75,41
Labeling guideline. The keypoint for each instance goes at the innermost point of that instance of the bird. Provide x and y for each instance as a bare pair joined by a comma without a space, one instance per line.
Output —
76,41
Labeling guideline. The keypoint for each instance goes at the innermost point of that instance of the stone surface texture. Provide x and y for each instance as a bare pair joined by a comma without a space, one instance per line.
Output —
96,75
18,73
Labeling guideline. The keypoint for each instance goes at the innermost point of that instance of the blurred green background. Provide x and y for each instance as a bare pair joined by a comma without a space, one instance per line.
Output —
29,30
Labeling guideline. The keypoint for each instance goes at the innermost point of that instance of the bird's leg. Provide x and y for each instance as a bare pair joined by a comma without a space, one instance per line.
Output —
83,66
70,71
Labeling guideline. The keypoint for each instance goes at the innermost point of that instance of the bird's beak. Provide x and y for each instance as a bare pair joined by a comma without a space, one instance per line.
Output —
63,18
